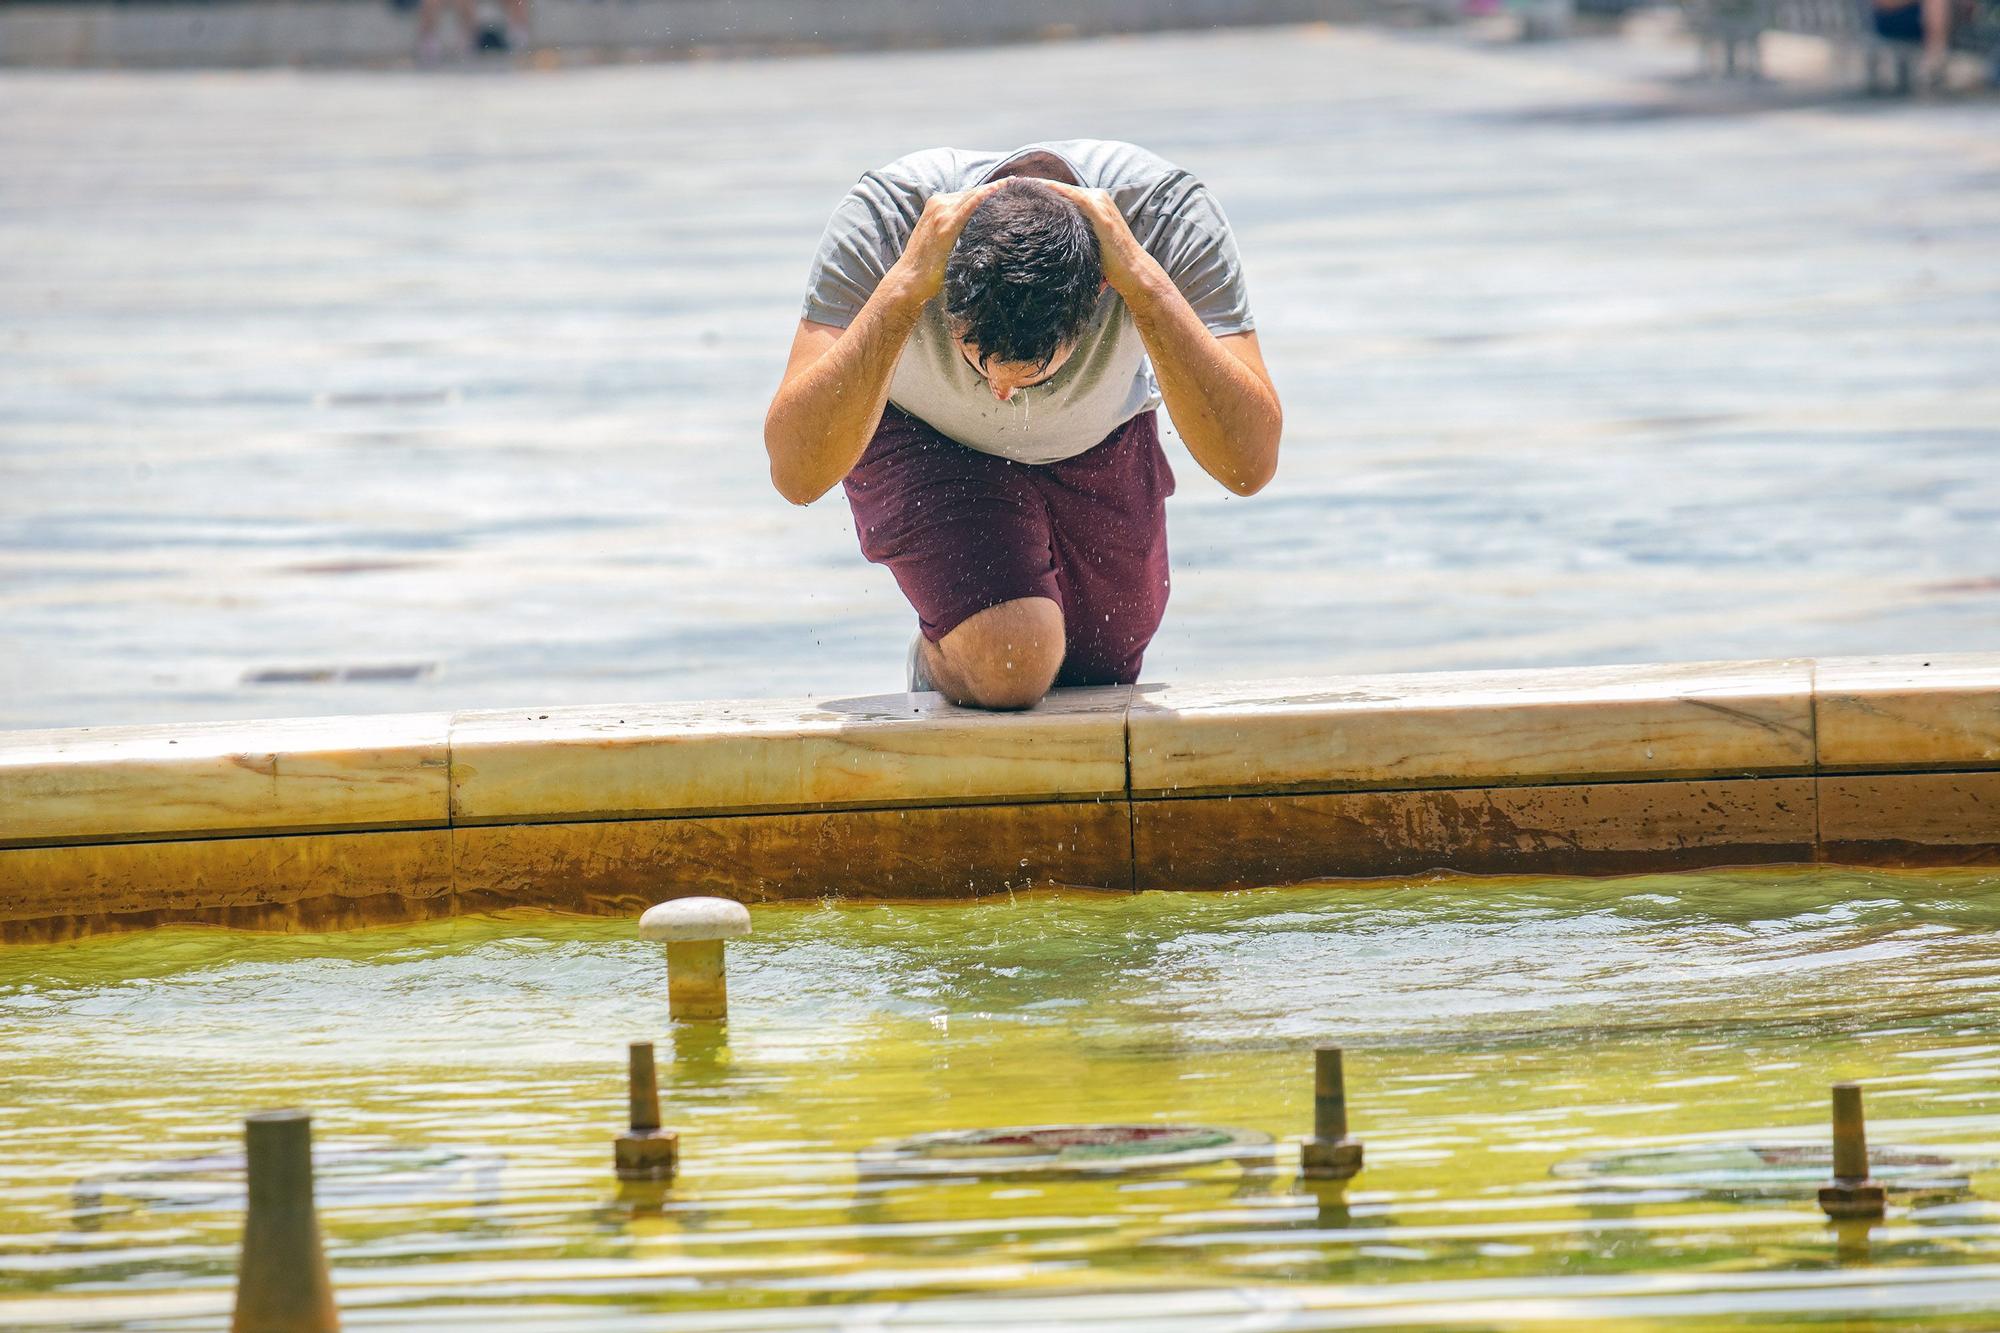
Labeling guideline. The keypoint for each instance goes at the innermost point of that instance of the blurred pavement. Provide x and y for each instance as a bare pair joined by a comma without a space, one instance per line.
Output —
365,392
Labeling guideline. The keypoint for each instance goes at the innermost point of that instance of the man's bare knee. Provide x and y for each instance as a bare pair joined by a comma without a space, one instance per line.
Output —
1001,690
1005,657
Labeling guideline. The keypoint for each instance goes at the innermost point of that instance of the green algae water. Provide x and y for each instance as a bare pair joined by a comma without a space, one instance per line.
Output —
1584,1103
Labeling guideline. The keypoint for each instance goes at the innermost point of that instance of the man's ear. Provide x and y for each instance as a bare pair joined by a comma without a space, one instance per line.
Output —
1102,283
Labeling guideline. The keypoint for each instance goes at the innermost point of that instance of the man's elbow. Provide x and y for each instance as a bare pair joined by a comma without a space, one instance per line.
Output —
785,474
793,495
1254,475
794,488
1248,485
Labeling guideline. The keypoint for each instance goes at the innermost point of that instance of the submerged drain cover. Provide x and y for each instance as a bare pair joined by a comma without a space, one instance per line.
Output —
345,1177
1770,1171
1065,1150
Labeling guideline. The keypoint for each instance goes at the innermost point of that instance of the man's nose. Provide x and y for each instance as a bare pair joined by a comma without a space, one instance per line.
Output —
1001,391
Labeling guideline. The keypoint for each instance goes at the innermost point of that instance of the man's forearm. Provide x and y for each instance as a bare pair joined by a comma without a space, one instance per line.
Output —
821,420
1225,412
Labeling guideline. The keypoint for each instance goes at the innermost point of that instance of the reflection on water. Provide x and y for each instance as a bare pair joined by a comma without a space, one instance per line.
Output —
1555,1081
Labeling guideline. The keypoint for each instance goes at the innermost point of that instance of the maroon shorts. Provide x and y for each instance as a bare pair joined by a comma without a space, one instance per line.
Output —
962,531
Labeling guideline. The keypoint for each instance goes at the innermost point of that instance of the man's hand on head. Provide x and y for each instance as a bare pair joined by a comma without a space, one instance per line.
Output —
1124,259
937,231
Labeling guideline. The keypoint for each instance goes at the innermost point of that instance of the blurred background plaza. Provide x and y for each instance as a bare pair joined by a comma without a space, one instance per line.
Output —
380,388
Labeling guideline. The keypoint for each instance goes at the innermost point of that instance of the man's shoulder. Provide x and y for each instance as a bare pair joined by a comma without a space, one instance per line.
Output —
931,170
888,199
1112,164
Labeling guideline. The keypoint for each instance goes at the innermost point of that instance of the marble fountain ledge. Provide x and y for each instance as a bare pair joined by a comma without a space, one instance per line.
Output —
1475,729
761,756
337,822
1851,719
1938,711
192,780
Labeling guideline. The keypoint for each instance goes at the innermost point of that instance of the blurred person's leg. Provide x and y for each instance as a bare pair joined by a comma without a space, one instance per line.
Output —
1937,36
520,26
428,13
430,46
1925,22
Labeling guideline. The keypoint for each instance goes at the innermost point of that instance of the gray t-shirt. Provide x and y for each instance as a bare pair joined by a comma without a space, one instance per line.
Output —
1108,380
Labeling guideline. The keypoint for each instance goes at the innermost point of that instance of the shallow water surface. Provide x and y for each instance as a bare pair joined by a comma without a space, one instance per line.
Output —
1560,1085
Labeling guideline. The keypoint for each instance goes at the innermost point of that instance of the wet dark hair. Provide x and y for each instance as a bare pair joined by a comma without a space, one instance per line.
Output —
1024,276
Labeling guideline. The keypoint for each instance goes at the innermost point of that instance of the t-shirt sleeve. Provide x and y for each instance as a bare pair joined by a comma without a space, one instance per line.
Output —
862,241
1194,244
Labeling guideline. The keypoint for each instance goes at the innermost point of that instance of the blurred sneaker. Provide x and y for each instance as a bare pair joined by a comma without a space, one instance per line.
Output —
914,672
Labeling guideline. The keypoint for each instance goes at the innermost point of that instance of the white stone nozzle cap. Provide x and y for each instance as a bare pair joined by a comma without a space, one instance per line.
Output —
694,919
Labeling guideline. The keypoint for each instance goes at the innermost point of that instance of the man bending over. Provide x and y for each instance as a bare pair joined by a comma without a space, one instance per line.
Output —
984,344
